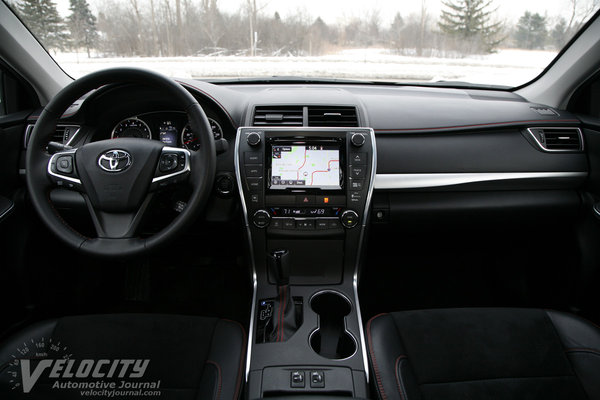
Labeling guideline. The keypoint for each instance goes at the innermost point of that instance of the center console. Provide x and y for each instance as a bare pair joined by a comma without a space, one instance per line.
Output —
306,194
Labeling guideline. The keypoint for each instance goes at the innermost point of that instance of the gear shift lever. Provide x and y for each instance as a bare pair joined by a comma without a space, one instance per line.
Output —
285,322
280,266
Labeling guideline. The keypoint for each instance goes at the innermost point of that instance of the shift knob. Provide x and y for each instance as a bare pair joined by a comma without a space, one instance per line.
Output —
279,264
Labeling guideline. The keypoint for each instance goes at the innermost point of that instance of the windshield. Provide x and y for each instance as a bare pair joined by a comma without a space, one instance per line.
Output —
487,42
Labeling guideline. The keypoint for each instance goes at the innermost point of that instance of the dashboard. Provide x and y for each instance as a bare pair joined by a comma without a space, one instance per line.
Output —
432,143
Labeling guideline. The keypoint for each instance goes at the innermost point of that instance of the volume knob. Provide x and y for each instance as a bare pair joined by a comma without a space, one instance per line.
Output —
253,138
358,139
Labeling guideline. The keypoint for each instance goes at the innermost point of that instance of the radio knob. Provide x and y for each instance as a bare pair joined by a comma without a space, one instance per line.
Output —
253,138
261,219
349,219
358,139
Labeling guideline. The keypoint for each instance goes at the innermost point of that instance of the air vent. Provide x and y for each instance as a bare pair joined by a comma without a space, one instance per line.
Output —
278,116
558,139
63,134
332,116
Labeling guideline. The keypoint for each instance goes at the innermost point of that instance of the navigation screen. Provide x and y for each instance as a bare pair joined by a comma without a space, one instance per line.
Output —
310,166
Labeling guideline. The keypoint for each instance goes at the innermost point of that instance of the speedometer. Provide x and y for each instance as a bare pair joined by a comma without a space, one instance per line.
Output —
190,140
132,128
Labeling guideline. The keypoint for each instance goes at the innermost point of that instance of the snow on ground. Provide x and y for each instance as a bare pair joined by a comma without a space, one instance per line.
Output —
506,67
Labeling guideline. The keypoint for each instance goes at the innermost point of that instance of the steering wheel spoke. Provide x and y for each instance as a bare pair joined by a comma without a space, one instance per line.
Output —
62,170
118,225
174,166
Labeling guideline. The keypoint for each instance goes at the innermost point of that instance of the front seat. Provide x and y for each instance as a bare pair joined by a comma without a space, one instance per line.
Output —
484,353
192,357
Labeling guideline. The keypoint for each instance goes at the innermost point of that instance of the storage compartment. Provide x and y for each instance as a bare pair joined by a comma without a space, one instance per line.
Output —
330,339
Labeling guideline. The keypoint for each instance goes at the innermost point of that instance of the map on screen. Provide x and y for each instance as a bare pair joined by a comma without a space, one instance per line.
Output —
312,166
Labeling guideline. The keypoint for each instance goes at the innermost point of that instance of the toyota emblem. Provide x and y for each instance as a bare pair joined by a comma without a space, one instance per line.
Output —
115,160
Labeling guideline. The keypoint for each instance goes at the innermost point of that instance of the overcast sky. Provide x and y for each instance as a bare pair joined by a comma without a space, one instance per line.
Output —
332,11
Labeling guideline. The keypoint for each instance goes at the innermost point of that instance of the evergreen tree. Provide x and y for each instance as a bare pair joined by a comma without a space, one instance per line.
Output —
42,18
559,34
531,31
471,21
82,24
396,33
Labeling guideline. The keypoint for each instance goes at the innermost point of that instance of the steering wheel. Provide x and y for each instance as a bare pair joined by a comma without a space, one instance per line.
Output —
118,177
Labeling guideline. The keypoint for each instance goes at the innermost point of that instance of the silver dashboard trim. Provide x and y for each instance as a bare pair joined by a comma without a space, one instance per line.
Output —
361,241
57,175
420,181
236,162
185,169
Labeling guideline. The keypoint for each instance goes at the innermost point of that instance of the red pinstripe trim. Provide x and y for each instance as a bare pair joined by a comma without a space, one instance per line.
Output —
536,121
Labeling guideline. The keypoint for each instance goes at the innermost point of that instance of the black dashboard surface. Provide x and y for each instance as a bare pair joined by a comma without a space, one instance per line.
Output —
419,130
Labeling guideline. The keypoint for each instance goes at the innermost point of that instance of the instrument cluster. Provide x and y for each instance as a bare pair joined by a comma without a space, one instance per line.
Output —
170,127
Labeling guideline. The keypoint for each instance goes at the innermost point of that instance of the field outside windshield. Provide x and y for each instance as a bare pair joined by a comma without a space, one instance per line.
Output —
476,41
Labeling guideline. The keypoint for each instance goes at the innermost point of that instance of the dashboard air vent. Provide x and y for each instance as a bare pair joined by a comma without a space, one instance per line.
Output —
558,139
332,116
278,116
63,133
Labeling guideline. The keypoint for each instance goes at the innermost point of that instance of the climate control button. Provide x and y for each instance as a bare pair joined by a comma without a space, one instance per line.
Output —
349,219
261,219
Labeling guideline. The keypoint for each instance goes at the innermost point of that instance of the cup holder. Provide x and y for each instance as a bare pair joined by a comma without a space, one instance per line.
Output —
331,340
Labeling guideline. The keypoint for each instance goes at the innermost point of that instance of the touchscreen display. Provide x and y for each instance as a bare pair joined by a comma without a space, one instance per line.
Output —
305,166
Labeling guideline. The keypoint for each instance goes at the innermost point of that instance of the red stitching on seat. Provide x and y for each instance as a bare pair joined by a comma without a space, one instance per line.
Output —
398,377
218,377
375,368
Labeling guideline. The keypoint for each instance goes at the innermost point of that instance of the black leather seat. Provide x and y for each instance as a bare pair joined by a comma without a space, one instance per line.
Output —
484,353
193,357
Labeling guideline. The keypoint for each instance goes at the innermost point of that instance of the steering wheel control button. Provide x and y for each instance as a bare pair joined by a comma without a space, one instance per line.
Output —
261,219
358,139
297,379
349,219
253,138
64,164
168,162
115,160
358,159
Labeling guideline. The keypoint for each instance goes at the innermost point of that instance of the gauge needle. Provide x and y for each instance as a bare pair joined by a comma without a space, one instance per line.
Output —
191,140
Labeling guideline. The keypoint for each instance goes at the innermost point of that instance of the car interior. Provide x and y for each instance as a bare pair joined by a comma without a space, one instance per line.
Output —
436,242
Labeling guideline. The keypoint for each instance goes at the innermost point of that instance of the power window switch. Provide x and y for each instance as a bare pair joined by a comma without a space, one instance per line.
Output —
317,379
297,379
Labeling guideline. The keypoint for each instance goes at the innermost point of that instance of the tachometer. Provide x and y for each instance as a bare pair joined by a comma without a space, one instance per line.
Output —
133,128
190,140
